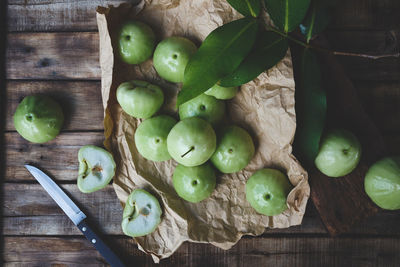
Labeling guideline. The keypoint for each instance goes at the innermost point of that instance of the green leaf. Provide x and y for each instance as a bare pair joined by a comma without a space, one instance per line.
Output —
317,18
248,8
287,14
268,50
220,54
310,108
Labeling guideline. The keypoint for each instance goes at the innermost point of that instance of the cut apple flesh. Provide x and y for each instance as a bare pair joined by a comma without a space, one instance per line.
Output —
96,168
142,214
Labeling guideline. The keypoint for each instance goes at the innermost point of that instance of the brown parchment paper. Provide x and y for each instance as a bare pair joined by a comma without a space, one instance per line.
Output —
265,107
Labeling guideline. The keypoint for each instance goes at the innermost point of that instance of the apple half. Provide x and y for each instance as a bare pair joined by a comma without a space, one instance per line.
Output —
96,168
142,214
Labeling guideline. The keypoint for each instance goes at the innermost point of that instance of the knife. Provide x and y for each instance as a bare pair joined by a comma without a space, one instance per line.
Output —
75,214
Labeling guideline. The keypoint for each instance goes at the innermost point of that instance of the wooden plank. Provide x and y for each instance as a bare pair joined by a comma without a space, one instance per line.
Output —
28,210
83,108
267,251
53,56
74,55
381,101
80,101
64,15
75,15
59,157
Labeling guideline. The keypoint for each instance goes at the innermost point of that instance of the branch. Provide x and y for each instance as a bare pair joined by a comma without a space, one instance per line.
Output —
336,53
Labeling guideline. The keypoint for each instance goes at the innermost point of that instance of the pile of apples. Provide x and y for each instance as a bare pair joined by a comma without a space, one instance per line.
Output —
198,142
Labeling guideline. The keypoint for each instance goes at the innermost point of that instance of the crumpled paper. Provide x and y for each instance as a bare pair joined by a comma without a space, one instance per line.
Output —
265,107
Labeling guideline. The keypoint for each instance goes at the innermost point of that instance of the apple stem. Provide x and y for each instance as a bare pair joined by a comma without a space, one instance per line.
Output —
190,150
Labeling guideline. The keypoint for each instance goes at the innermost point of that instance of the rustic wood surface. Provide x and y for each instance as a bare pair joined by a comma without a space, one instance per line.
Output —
53,49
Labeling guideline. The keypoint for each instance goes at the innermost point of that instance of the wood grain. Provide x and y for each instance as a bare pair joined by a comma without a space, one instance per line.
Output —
58,157
37,214
267,251
53,56
75,15
74,55
81,102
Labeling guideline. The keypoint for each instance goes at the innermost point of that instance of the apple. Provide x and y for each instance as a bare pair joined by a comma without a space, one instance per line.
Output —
234,151
205,107
339,153
220,92
142,214
38,118
382,183
136,42
267,191
140,99
151,137
191,142
96,168
171,57
194,184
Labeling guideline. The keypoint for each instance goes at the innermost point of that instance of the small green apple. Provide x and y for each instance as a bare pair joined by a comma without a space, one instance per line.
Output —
142,214
223,93
267,191
136,42
151,137
140,99
96,168
171,57
38,118
234,151
205,107
339,153
191,142
194,184
382,183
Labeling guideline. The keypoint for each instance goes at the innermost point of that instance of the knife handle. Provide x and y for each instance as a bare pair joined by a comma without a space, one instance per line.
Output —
98,243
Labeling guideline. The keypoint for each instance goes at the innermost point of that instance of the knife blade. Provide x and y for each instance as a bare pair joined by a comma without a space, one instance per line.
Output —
75,214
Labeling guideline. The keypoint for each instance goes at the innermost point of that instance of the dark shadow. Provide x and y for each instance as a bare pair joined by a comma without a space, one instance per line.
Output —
3,100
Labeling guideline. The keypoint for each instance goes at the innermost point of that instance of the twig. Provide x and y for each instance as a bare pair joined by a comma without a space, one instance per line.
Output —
336,53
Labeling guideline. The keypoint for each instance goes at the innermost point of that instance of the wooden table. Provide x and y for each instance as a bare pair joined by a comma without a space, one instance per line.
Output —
53,49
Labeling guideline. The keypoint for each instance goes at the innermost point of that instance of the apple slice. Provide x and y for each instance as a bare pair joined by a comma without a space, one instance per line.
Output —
142,214
96,168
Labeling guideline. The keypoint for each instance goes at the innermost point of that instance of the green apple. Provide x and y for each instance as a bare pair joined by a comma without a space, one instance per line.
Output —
220,92
38,118
194,184
142,214
191,142
136,42
151,137
171,57
339,153
267,191
382,183
140,99
205,107
234,151
96,168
